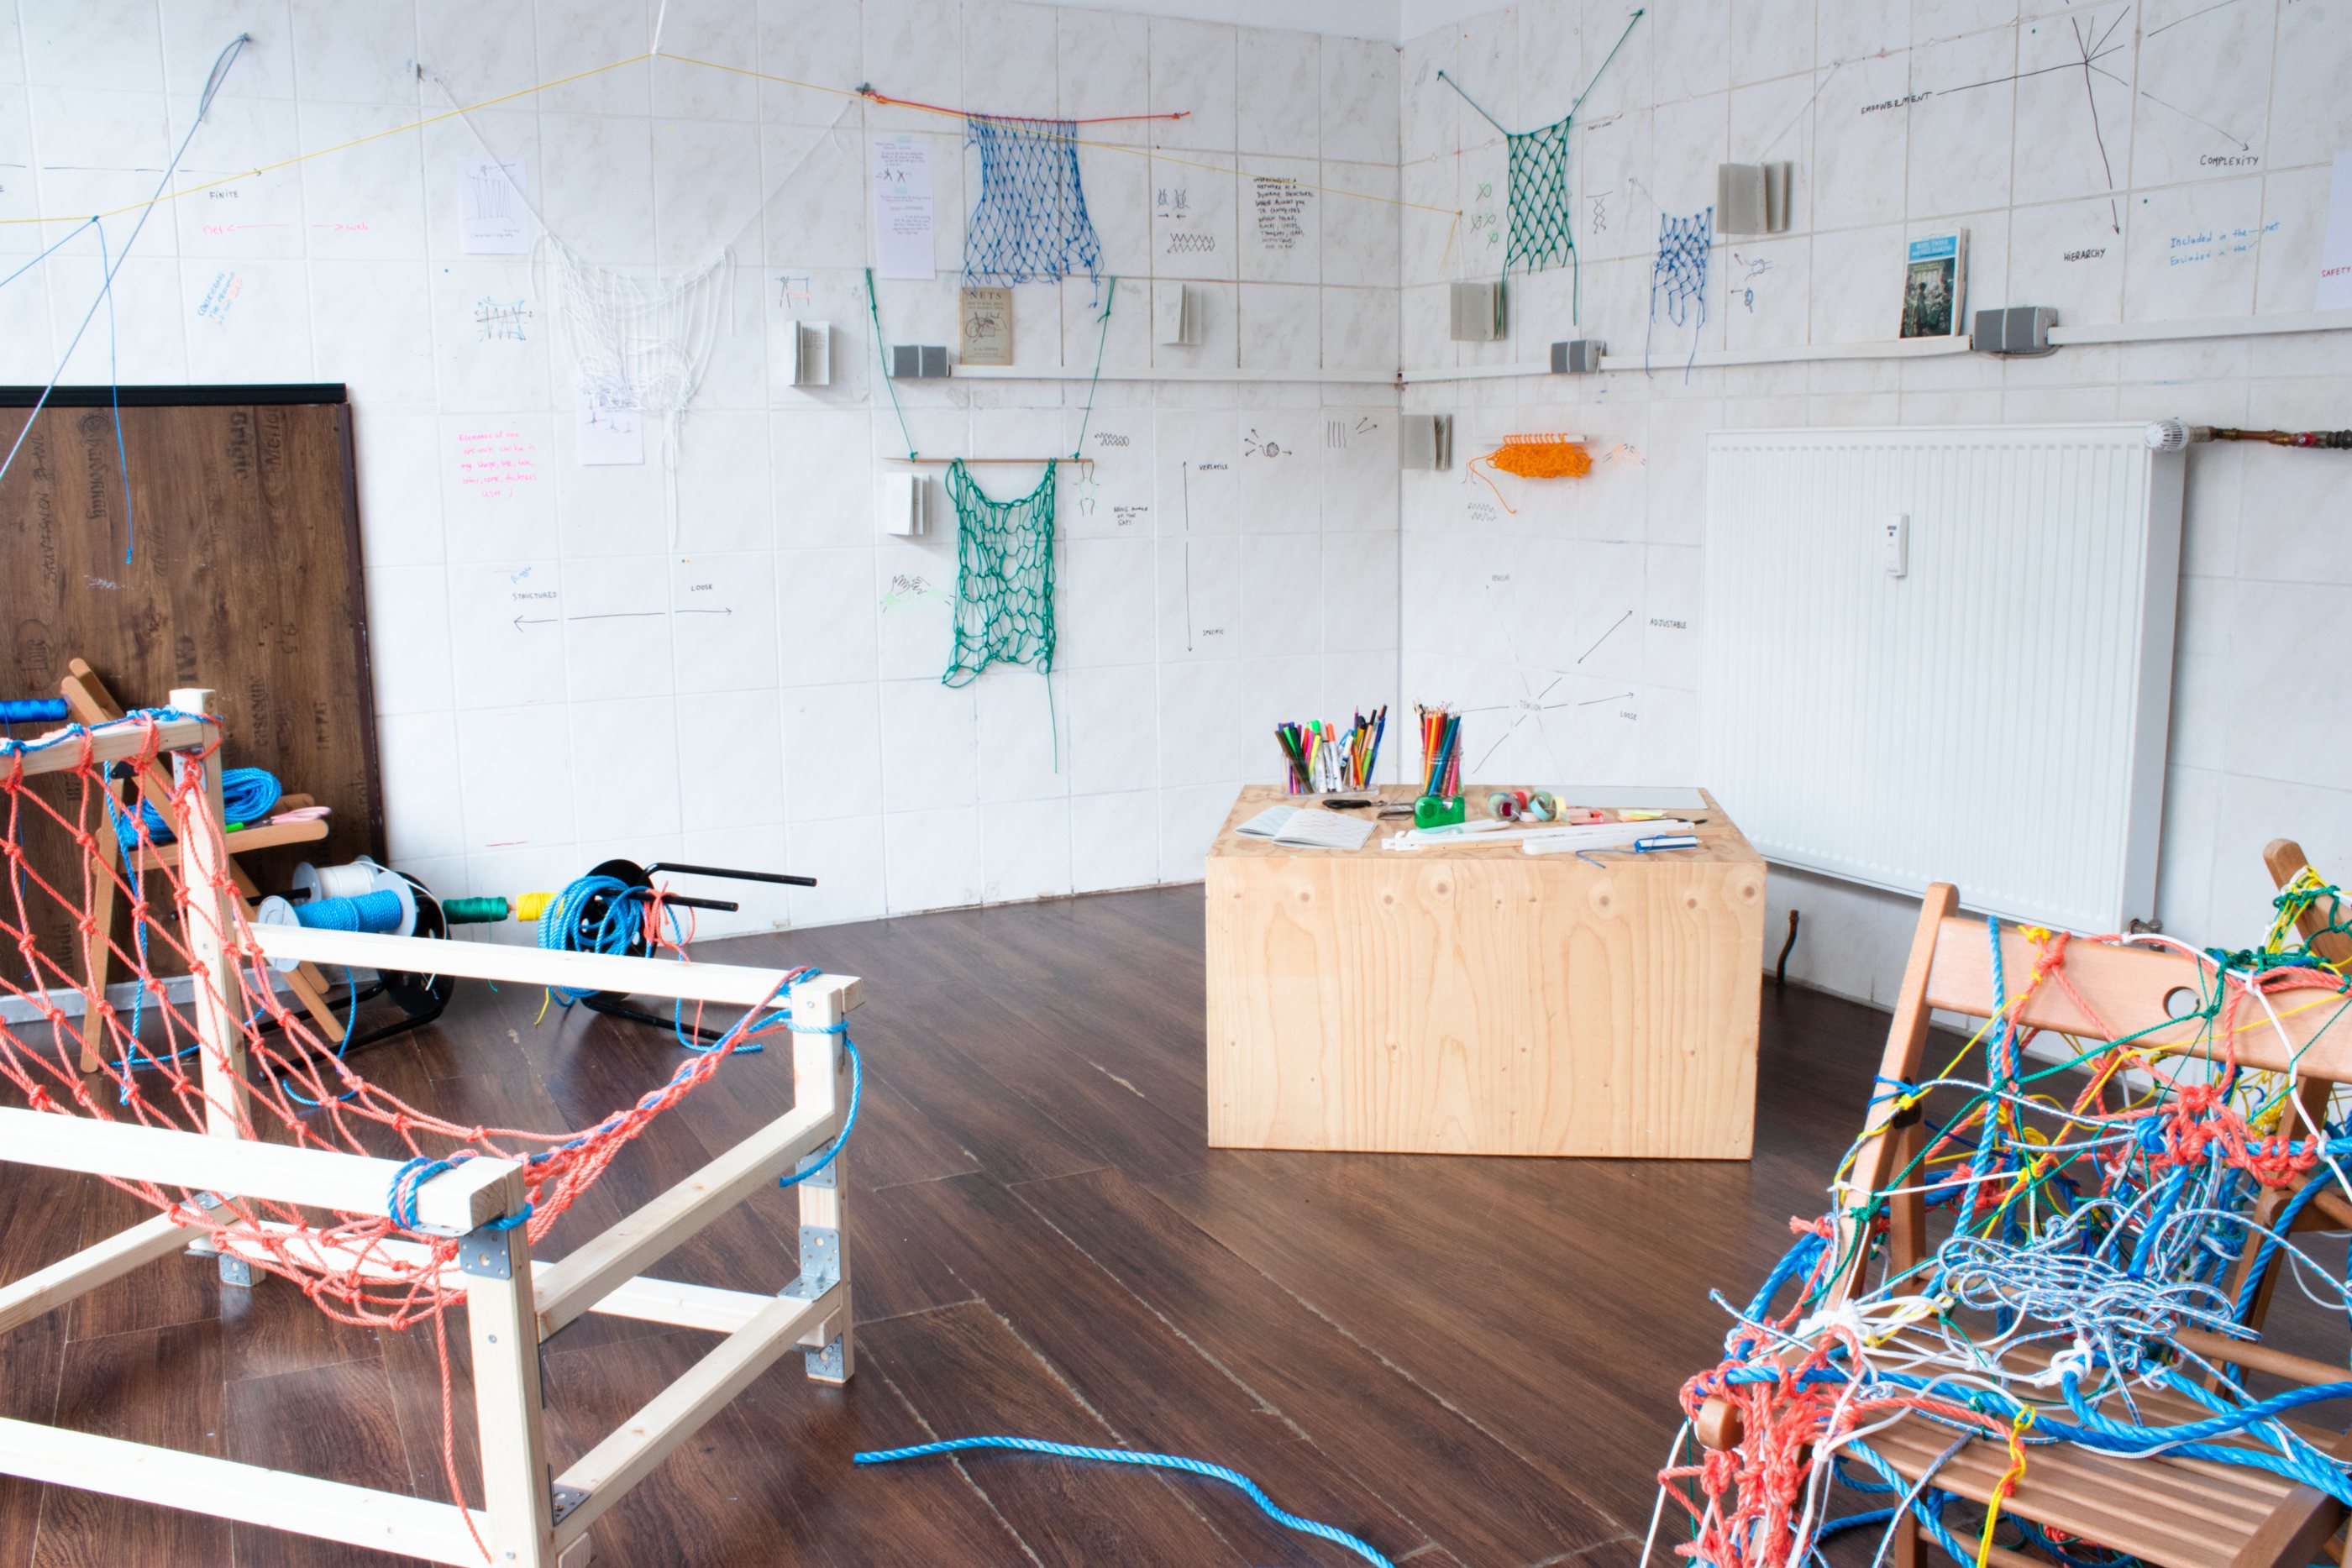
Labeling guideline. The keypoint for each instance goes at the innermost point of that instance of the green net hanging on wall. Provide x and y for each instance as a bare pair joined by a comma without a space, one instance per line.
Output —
1537,193
1005,578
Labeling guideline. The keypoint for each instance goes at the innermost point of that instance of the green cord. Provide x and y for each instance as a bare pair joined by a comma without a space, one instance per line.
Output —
874,312
1110,297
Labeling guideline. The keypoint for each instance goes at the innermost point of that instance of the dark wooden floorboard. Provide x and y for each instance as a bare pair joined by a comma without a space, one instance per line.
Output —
1151,1388
1470,1362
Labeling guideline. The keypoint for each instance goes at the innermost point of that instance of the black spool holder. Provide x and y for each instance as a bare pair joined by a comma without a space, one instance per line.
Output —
637,881
422,998
419,997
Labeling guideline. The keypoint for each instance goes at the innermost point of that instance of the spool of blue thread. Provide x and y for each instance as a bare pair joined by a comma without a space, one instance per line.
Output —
378,912
34,710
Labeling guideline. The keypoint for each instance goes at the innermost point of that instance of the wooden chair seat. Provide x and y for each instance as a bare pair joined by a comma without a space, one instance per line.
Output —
2179,1512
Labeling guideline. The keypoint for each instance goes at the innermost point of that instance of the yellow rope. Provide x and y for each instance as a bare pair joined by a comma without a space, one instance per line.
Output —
2009,1480
1155,154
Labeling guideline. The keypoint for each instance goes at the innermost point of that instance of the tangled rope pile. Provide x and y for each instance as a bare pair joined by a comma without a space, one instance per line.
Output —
296,1090
2082,1237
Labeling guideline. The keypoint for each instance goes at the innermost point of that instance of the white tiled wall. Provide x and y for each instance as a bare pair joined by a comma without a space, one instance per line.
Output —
806,729
1208,586
2212,119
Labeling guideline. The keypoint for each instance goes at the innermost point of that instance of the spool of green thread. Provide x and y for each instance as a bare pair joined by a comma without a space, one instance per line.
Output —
473,911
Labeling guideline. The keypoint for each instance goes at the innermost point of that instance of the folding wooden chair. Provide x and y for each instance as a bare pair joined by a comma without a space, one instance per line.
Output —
2327,1208
2171,1511
91,704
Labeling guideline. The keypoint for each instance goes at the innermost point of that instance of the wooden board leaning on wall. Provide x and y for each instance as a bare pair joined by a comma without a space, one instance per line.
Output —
242,529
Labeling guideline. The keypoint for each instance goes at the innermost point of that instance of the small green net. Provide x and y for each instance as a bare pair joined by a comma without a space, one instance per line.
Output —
1539,198
1005,578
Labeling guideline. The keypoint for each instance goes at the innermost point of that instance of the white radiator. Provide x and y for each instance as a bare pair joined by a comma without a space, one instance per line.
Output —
1994,716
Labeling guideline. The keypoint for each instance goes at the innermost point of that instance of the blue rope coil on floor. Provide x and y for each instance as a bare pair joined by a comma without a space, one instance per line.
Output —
1247,1487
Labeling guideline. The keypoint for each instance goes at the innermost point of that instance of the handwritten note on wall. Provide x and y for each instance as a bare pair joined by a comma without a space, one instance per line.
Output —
902,208
1281,212
496,464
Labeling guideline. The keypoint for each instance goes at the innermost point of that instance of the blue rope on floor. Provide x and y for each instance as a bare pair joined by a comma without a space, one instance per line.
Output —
1247,1487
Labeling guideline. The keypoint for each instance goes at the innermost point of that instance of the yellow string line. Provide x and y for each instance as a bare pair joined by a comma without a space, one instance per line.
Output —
255,174
257,171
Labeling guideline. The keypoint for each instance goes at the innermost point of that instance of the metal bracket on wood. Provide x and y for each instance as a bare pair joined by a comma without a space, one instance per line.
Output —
233,1270
820,1263
567,1498
482,1252
825,1363
808,1178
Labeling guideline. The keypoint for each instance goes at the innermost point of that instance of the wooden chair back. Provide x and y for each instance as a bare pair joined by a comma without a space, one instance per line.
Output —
2109,992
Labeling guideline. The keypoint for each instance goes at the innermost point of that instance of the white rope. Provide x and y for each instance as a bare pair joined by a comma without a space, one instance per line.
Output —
636,343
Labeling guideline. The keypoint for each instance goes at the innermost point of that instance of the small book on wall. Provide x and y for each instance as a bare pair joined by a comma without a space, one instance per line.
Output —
1935,284
1307,827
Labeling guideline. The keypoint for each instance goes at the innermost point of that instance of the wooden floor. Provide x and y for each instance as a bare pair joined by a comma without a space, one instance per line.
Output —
1464,1361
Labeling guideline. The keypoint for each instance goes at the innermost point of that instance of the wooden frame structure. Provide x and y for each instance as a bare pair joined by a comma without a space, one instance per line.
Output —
2170,1512
512,1302
91,704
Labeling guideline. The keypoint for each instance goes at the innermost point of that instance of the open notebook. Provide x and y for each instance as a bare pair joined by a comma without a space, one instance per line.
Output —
1307,828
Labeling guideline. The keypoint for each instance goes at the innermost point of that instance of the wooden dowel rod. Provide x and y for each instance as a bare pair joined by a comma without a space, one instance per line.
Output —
983,462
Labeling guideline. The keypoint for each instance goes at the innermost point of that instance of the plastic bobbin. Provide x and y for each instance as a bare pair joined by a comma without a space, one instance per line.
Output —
276,910
337,881
389,881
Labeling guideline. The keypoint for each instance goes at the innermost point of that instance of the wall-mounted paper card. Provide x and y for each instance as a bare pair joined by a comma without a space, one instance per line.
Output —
493,219
610,428
902,208
987,325
2335,242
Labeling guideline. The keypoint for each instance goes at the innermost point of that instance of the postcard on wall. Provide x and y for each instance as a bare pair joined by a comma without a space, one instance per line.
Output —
611,429
493,218
987,317
1934,286
902,208
2335,242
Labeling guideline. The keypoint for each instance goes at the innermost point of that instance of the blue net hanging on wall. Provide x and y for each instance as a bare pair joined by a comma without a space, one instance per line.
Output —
1678,275
1030,223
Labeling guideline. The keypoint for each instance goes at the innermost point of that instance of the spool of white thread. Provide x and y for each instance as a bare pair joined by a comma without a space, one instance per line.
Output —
362,875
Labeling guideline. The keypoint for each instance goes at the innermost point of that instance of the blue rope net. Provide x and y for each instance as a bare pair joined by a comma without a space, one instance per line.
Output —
1678,275
1030,223
1005,578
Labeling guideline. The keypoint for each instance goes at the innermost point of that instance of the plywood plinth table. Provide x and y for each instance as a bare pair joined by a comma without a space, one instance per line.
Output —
1476,1000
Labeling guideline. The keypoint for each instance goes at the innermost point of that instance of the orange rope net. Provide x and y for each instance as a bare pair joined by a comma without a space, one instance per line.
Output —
298,1091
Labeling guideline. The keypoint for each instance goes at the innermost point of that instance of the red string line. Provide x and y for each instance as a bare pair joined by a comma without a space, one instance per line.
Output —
866,89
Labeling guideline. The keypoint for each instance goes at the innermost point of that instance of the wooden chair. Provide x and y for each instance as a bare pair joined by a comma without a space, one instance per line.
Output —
2174,1512
2327,1208
91,704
